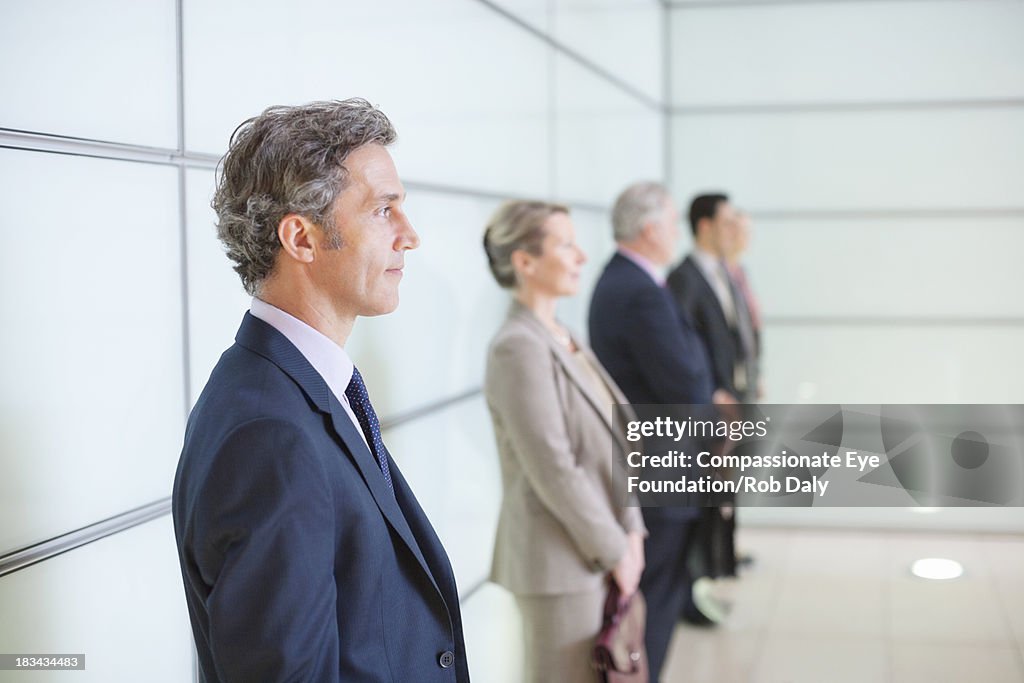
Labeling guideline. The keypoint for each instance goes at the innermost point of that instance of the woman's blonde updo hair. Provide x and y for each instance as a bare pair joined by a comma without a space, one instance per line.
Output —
516,225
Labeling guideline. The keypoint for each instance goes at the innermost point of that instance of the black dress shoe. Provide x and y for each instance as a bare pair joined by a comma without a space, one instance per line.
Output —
702,608
694,617
744,560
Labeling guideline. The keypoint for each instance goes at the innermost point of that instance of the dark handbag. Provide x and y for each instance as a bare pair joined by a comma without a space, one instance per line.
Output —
619,653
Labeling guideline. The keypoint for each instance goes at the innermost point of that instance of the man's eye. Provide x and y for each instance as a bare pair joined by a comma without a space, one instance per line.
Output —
384,211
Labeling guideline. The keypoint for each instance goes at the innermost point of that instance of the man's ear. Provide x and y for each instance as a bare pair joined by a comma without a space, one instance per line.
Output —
703,227
647,232
298,237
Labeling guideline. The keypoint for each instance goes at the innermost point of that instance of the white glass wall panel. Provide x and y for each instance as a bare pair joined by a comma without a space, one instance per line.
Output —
451,462
494,636
119,601
605,139
972,158
465,87
103,70
91,392
621,37
848,52
594,233
434,346
216,300
535,13
820,363
887,267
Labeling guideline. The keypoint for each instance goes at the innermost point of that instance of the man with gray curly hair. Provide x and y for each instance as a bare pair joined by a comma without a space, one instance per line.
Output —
304,553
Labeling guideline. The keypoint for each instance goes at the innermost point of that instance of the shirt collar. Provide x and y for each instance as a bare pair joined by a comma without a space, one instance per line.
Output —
657,274
326,357
708,262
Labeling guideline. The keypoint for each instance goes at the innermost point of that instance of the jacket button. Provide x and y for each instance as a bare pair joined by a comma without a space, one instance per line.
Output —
446,659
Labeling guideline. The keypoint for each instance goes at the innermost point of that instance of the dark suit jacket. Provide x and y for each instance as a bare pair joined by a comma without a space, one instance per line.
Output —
651,352
299,564
695,298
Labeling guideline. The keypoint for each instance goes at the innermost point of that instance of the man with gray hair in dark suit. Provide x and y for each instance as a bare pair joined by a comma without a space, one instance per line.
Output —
304,552
655,357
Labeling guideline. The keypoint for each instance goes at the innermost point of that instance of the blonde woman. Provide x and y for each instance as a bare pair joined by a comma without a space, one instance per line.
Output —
562,528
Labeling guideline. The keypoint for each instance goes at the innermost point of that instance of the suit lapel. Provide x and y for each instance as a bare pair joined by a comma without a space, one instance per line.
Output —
569,364
368,467
622,407
430,545
263,339
709,292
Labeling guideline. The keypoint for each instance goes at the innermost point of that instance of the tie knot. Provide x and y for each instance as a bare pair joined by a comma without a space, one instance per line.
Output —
356,389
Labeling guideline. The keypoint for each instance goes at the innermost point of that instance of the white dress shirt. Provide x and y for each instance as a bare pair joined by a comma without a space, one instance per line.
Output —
326,357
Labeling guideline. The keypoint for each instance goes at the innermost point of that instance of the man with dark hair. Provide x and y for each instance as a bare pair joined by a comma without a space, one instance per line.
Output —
304,553
705,291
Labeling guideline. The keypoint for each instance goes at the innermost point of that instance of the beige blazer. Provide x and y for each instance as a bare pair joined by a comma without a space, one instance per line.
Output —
560,528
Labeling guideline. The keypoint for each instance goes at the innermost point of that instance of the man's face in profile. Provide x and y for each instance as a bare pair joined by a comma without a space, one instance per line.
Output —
372,234
723,229
738,235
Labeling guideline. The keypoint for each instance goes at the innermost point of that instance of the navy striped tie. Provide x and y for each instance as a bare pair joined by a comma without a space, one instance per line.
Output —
359,400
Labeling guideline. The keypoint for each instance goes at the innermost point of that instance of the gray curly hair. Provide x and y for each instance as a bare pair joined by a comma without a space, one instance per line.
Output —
634,206
288,160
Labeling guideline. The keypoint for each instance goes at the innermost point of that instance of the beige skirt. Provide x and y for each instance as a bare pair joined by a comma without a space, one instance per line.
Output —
558,635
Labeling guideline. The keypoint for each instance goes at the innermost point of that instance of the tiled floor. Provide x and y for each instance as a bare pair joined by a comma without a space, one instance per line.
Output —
837,606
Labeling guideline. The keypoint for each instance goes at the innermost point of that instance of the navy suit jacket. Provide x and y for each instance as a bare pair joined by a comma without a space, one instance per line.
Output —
652,353
650,350
299,563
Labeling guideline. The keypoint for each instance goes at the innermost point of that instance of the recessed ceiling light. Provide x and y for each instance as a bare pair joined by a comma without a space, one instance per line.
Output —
937,568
